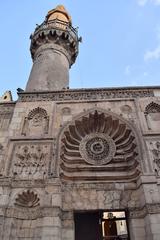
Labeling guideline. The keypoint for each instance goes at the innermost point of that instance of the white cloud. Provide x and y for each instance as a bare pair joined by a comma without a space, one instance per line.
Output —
144,2
156,2
152,54
127,70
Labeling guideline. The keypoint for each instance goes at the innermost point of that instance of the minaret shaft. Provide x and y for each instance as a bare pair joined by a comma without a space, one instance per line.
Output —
54,48
50,70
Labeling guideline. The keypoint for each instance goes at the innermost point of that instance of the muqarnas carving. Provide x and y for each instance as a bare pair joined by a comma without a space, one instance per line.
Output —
27,199
152,115
99,146
31,161
36,123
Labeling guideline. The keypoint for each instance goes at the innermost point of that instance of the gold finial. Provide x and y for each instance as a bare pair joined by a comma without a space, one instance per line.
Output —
59,13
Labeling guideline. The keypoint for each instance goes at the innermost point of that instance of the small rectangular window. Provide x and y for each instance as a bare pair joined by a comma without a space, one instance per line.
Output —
101,225
114,226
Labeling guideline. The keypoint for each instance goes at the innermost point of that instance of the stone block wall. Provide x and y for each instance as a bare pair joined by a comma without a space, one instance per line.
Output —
41,186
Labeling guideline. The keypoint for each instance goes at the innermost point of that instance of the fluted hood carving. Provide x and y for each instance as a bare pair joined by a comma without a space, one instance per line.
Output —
27,199
99,143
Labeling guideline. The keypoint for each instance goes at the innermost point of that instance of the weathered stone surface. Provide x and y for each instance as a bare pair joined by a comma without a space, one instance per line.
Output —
69,151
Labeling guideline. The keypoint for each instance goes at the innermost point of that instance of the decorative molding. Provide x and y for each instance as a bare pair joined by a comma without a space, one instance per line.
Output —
87,94
31,213
34,213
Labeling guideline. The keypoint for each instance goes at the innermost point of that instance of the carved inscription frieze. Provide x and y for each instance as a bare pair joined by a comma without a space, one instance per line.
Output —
94,94
31,160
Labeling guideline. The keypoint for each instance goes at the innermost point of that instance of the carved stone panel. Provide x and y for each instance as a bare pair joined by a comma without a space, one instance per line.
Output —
36,123
152,115
5,117
155,154
31,160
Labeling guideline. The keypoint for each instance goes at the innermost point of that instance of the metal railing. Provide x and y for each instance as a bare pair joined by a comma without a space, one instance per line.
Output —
59,25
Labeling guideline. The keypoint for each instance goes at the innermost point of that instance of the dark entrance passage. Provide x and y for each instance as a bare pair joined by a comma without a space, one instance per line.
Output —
87,226
101,225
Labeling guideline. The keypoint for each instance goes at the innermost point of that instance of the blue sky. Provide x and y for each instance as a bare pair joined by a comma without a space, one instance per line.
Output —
121,41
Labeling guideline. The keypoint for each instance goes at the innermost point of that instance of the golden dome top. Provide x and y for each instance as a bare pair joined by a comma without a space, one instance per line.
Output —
59,13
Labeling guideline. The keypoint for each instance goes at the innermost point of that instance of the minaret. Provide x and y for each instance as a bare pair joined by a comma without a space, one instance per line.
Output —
54,48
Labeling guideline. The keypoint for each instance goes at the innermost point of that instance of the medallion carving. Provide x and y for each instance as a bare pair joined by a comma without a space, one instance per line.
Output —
31,160
97,148
36,123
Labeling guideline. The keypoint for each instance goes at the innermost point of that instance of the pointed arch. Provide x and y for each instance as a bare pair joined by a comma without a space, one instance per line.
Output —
99,145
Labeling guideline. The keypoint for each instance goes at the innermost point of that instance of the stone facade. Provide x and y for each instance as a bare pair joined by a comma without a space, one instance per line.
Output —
45,177
83,150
